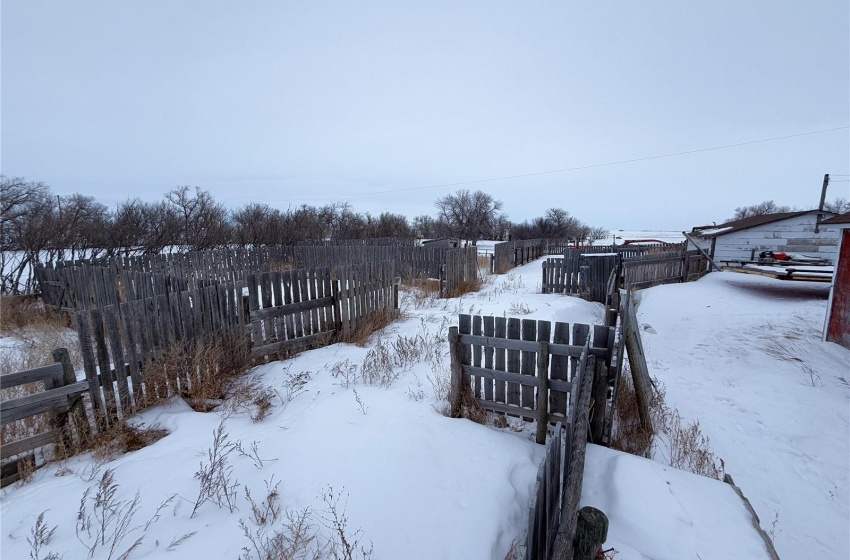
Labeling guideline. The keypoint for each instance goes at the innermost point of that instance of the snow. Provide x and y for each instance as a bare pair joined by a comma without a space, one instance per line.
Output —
714,231
638,235
417,484
687,514
743,355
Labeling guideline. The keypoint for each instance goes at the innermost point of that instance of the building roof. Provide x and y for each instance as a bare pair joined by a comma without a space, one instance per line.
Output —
749,222
839,219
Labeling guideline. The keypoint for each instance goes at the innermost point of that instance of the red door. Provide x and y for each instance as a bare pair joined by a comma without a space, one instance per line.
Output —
838,329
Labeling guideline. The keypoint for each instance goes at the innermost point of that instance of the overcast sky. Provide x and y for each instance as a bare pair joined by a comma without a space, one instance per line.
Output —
382,103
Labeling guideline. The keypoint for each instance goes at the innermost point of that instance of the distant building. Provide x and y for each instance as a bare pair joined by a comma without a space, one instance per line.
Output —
785,232
837,325
441,242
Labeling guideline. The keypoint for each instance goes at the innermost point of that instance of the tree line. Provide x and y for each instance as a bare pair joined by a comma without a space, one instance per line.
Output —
37,225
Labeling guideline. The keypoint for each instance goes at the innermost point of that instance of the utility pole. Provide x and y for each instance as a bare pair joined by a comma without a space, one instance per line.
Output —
822,201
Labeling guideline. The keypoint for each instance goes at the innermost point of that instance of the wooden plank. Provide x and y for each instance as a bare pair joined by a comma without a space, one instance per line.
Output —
464,323
30,443
104,364
489,331
44,401
513,362
118,361
499,362
477,353
41,373
528,363
272,312
292,345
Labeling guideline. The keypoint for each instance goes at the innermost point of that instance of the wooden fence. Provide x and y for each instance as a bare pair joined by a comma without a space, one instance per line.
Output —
61,398
588,274
524,367
294,310
644,271
528,369
277,312
82,285
553,512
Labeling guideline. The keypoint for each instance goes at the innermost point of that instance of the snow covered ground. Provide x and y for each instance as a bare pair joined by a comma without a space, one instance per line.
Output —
743,355
638,235
415,483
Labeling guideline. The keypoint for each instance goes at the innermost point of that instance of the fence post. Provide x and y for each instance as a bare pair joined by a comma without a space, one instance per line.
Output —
454,354
542,391
75,403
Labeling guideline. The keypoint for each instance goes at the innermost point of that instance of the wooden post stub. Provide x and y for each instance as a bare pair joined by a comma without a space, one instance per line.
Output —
591,532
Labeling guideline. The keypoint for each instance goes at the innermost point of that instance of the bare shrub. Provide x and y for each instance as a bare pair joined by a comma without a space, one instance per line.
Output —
518,308
214,475
346,372
105,521
369,325
295,540
343,545
40,537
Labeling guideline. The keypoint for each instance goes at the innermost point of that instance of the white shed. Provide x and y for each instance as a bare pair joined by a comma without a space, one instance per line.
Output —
785,232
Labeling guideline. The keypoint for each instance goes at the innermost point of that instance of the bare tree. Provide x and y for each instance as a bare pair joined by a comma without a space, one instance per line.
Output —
204,221
469,215
766,207
839,206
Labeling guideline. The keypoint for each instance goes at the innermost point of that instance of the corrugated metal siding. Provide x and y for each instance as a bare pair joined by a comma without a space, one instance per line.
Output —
793,235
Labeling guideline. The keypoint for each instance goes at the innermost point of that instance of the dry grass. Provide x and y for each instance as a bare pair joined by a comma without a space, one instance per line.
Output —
283,266
21,312
367,326
122,438
484,263
465,287
204,374
680,444
423,292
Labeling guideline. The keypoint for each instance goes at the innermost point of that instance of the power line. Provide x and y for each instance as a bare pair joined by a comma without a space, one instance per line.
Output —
566,169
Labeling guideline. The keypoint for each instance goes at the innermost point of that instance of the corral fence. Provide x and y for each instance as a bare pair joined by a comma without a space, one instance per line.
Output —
89,284
277,312
539,371
587,273
60,399
268,314
511,254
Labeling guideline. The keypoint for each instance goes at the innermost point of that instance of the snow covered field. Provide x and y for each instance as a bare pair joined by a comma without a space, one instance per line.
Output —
743,355
417,484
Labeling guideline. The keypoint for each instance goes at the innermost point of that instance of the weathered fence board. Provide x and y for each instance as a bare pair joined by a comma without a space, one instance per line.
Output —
515,370
60,397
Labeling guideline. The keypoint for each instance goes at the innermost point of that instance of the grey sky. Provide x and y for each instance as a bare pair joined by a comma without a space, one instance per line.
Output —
315,102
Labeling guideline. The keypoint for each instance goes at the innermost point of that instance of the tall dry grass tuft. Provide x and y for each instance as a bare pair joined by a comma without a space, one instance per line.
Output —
21,312
680,444
368,326
465,287
204,373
